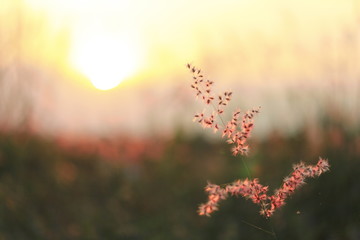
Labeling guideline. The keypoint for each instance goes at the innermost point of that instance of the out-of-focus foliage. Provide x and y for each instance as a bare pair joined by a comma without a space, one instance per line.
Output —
47,192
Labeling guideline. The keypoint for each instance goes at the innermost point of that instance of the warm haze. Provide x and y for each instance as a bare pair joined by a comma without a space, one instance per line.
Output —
136,52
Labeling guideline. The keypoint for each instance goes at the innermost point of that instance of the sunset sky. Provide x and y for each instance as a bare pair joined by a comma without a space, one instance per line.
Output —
108,66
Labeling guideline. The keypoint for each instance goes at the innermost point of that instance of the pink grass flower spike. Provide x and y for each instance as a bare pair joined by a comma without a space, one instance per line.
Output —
237,131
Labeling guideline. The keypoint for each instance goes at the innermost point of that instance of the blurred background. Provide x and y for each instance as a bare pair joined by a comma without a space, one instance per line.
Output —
96,132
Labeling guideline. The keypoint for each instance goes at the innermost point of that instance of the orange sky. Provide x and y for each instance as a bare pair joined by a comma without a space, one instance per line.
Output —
75,46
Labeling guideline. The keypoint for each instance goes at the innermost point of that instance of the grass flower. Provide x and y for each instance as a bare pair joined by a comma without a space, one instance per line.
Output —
237,131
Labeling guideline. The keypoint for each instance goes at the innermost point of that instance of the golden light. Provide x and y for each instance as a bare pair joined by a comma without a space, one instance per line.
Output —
105,59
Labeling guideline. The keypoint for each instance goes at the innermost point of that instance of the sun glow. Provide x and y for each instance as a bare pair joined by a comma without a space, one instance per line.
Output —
105,59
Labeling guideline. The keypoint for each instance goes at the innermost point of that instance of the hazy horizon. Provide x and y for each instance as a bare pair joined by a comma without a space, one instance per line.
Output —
58,53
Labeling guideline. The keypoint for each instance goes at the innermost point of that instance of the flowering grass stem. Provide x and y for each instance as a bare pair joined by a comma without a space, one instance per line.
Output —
237,131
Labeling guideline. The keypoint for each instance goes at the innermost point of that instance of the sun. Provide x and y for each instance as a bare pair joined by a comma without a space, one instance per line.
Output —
105,59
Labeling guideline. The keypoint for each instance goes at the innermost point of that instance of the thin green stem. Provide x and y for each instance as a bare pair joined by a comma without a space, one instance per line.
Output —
272,229
259,228
246,167
222,121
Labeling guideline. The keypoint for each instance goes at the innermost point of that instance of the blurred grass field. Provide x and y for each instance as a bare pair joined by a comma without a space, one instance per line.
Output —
50,192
